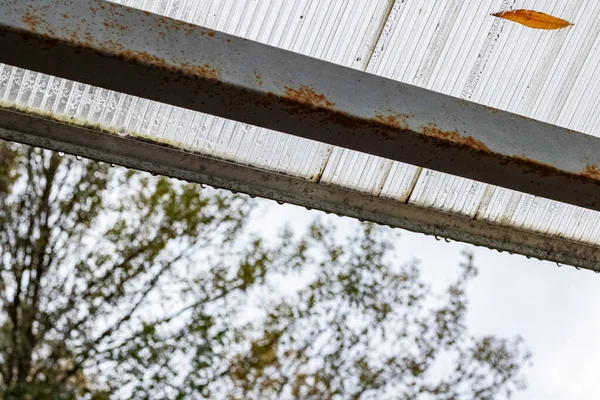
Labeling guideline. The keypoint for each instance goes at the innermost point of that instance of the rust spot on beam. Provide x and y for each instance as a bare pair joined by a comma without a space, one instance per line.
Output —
492,109
592,171
453,136
117,50
258,78
396,120
207,72
143,57
33,21
115,25
308,96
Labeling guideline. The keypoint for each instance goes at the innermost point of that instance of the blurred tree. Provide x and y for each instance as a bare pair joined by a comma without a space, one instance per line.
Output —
118,284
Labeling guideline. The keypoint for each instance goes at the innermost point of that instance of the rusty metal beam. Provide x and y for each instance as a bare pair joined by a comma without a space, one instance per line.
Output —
158,58
92,142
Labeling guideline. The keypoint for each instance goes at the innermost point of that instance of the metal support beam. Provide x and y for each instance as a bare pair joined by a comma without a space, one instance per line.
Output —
158,58
93,143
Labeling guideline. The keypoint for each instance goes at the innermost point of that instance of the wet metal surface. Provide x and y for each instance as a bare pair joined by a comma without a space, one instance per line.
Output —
93,142
158,58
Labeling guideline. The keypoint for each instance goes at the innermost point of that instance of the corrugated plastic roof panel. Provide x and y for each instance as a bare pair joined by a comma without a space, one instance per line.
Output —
453,46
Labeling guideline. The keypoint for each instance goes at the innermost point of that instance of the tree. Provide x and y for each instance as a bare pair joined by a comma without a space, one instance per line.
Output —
118,284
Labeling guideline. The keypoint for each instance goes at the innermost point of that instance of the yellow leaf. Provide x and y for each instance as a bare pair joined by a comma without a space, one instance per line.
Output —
534,19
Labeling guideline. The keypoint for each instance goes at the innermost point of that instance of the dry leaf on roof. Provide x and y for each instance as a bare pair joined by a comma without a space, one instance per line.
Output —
534,19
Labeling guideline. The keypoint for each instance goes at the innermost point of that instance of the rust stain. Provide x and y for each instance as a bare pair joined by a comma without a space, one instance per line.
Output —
453,136
533,19
88,36
181,67
307,95
393,126
114,25
258,78
112,46
207,71
167,23
36,23
592,171
144,58
396,120
492,109
189,28
115,9
32,21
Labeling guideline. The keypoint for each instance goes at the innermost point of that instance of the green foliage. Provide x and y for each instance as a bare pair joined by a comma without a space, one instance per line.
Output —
118,284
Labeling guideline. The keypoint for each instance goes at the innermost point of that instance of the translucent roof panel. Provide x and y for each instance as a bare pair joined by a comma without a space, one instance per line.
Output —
455,47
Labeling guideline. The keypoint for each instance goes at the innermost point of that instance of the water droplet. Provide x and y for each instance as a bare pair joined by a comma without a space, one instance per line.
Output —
112,165
61,154
437,238
78,157
153,173
234,192
559,265
203,185
280,202
447,240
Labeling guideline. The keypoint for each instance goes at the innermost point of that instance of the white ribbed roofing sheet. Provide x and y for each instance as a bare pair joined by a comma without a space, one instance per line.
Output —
451,46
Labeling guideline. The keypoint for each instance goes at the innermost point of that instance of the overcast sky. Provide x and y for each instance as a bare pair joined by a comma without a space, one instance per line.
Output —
554,309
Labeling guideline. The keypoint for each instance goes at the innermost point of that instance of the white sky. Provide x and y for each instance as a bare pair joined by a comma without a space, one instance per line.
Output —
553,308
